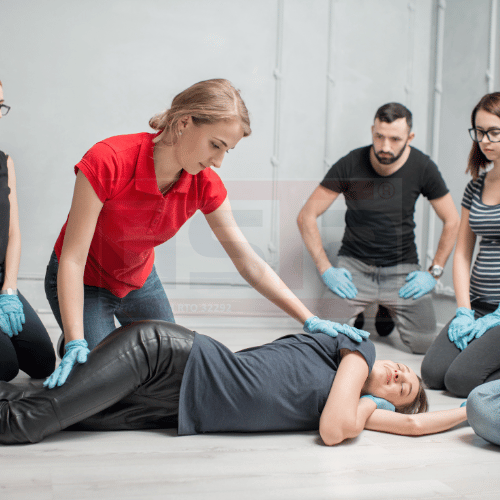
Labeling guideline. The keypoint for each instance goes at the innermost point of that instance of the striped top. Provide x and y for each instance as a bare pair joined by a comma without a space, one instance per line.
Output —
484,220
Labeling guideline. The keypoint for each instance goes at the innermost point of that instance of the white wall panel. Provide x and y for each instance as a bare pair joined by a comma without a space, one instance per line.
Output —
77,72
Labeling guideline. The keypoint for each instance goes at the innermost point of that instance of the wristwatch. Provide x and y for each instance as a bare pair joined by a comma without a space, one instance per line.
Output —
8,291
436,271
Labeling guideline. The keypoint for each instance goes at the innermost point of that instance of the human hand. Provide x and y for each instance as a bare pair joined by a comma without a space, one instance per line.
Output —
382,404
339,281
484,324
76,352
461,327
317,325
11,315
419,284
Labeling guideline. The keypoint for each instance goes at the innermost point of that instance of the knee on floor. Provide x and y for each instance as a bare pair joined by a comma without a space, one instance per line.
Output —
461,382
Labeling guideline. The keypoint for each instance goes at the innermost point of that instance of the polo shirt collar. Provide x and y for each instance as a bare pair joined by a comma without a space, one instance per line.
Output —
145,179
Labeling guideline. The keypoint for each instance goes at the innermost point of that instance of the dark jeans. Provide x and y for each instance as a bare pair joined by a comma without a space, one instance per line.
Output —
100,306
30,351
132,380
445,366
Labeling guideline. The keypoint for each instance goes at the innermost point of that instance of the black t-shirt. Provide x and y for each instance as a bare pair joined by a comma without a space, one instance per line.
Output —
280,386
379,223
4,211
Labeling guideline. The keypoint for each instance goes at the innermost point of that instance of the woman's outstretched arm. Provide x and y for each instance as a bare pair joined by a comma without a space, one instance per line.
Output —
419,424
250,266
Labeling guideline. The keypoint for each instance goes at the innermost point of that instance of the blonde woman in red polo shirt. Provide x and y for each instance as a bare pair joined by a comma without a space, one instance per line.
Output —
134,192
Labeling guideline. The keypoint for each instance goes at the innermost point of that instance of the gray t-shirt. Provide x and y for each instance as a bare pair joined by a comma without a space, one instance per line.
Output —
280,386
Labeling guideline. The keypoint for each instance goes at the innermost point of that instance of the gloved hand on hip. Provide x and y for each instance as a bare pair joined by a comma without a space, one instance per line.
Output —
461,327
76,352
382,404
11,315
484,324
418,284
339,281
317,325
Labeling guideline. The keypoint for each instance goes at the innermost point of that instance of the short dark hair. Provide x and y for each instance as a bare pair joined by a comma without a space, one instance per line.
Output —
477,160
393,111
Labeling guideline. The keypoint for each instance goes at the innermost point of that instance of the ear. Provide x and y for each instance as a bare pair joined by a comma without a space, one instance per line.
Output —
411,137
185,122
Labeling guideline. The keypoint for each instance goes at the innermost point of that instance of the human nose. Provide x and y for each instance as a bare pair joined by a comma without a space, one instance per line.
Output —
217,160
386,145
485,136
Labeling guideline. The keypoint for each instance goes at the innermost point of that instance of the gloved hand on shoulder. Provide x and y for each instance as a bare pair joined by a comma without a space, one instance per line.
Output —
317,325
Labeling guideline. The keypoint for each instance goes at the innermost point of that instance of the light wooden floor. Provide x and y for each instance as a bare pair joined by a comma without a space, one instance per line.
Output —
159,465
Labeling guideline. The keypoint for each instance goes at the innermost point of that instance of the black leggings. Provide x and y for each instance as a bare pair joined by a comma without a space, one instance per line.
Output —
131,380
30,351
445,366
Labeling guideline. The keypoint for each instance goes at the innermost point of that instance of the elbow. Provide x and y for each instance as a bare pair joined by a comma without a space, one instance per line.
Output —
413,426
300,220
332,437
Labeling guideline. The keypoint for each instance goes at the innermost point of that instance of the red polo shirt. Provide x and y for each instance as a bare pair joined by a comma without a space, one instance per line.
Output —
135,216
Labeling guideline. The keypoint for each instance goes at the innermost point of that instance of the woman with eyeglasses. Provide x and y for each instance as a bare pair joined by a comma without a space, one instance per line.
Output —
133,193
24,342
466,353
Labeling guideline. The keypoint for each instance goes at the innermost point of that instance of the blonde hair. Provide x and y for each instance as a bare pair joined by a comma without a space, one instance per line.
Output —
206,102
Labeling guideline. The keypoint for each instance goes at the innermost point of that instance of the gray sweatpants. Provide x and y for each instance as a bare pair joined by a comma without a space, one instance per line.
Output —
414,319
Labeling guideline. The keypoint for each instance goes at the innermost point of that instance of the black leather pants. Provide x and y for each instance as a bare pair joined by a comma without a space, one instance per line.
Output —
131,380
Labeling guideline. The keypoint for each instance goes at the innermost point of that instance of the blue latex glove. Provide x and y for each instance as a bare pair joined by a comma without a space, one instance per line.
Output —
11,315
339,281
76,352
463,404
483,324
382,404
461,327
317,325
419,284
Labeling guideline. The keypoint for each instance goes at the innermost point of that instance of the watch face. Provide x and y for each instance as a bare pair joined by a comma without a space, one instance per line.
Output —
436,271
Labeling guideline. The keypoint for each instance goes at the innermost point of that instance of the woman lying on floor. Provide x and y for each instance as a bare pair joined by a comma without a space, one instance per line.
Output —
155,374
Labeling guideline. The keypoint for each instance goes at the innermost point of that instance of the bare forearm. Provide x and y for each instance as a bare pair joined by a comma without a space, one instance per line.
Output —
263,279
461,280
70,293
446,243
12,260
308,227
416,425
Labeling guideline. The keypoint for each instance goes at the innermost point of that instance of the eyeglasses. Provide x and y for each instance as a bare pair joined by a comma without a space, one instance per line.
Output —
4,109
477,135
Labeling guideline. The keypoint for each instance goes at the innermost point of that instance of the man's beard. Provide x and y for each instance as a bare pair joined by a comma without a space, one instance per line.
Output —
393,158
